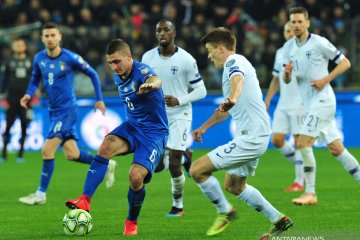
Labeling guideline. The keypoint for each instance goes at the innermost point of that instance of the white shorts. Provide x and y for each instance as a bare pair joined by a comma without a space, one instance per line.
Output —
178,132
288,121
320,124
241,155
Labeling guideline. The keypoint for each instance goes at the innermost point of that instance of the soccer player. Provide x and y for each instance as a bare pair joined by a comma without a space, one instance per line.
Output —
307,57
288,116
178,71
55,67
243,101
16,74
144,133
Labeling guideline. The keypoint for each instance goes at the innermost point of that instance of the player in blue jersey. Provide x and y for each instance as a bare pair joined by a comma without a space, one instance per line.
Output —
144,133
55,67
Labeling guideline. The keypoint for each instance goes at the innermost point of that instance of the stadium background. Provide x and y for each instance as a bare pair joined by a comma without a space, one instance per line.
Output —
87,27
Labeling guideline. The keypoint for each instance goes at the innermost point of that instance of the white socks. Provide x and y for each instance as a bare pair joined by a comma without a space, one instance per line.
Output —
212,190
299,168
177,190
288,151
252,197
350,164
309,168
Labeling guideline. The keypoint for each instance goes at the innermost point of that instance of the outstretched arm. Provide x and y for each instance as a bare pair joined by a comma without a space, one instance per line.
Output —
273,89
151,84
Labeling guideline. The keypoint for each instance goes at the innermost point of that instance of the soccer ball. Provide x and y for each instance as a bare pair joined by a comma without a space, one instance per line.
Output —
77,222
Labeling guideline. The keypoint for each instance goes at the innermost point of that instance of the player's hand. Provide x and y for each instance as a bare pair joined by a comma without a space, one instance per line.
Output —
171,101
287,72
226,105
318,84
145,88
24,101
101,106
197,134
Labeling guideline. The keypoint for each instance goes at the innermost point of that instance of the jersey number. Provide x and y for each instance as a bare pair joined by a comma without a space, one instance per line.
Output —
129,103
57,127
51,78
153,155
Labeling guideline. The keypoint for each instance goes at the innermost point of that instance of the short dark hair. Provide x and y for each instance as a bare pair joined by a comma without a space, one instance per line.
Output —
172,25
50,25
302,10
219,36
117,45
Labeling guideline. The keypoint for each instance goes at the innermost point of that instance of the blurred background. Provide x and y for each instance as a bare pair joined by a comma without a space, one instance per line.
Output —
88,25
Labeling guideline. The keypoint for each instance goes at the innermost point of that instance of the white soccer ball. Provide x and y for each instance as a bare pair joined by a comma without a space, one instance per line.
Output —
77,222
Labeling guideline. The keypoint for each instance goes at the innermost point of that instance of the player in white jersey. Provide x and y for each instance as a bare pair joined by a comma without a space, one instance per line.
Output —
308,56
178,71
289,115
243,101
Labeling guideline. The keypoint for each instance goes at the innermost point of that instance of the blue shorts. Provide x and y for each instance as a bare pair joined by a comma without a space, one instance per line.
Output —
148,148
63,124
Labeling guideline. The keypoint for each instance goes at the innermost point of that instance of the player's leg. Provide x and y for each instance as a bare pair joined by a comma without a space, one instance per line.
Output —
349,162
136,196
304,145
235,183
201,171
24,124
111,146
48,153
10,119
177,183
178,132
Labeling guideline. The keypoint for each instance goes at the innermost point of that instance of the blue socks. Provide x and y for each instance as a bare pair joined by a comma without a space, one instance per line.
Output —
95,175
46,173
135,199
85,157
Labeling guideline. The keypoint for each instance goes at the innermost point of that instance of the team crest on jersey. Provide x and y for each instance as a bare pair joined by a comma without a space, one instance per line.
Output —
125,89
174,69
52,65
308,54
230,63
144,71
81,60
62,66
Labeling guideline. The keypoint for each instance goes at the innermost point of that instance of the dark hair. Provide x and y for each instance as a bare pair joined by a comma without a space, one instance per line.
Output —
117,45
50,25
301,10
219,36
172,25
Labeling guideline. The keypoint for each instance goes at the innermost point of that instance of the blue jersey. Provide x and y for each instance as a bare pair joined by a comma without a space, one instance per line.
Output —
146,111
57,75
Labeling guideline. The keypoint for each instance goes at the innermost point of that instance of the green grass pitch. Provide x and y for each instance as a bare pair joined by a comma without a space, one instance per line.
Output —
337,216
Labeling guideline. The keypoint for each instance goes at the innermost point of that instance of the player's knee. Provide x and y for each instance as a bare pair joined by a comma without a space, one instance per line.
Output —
195,174
105,150
278,143
136,180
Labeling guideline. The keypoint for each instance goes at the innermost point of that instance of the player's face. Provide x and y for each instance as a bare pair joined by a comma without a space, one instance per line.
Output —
214,54
120,63
299,24
165,33
51,38
19,46
288,32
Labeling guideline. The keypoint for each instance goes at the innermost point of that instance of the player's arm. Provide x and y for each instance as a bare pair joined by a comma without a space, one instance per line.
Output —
151,84
340,68
33,84
198,92
236,86
216,118
273,89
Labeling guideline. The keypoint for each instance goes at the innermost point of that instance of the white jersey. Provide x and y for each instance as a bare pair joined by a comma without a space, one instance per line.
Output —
249,112
289,93
177,72
310,62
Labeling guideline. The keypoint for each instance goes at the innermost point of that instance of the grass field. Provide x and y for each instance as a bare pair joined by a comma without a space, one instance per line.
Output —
337,215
